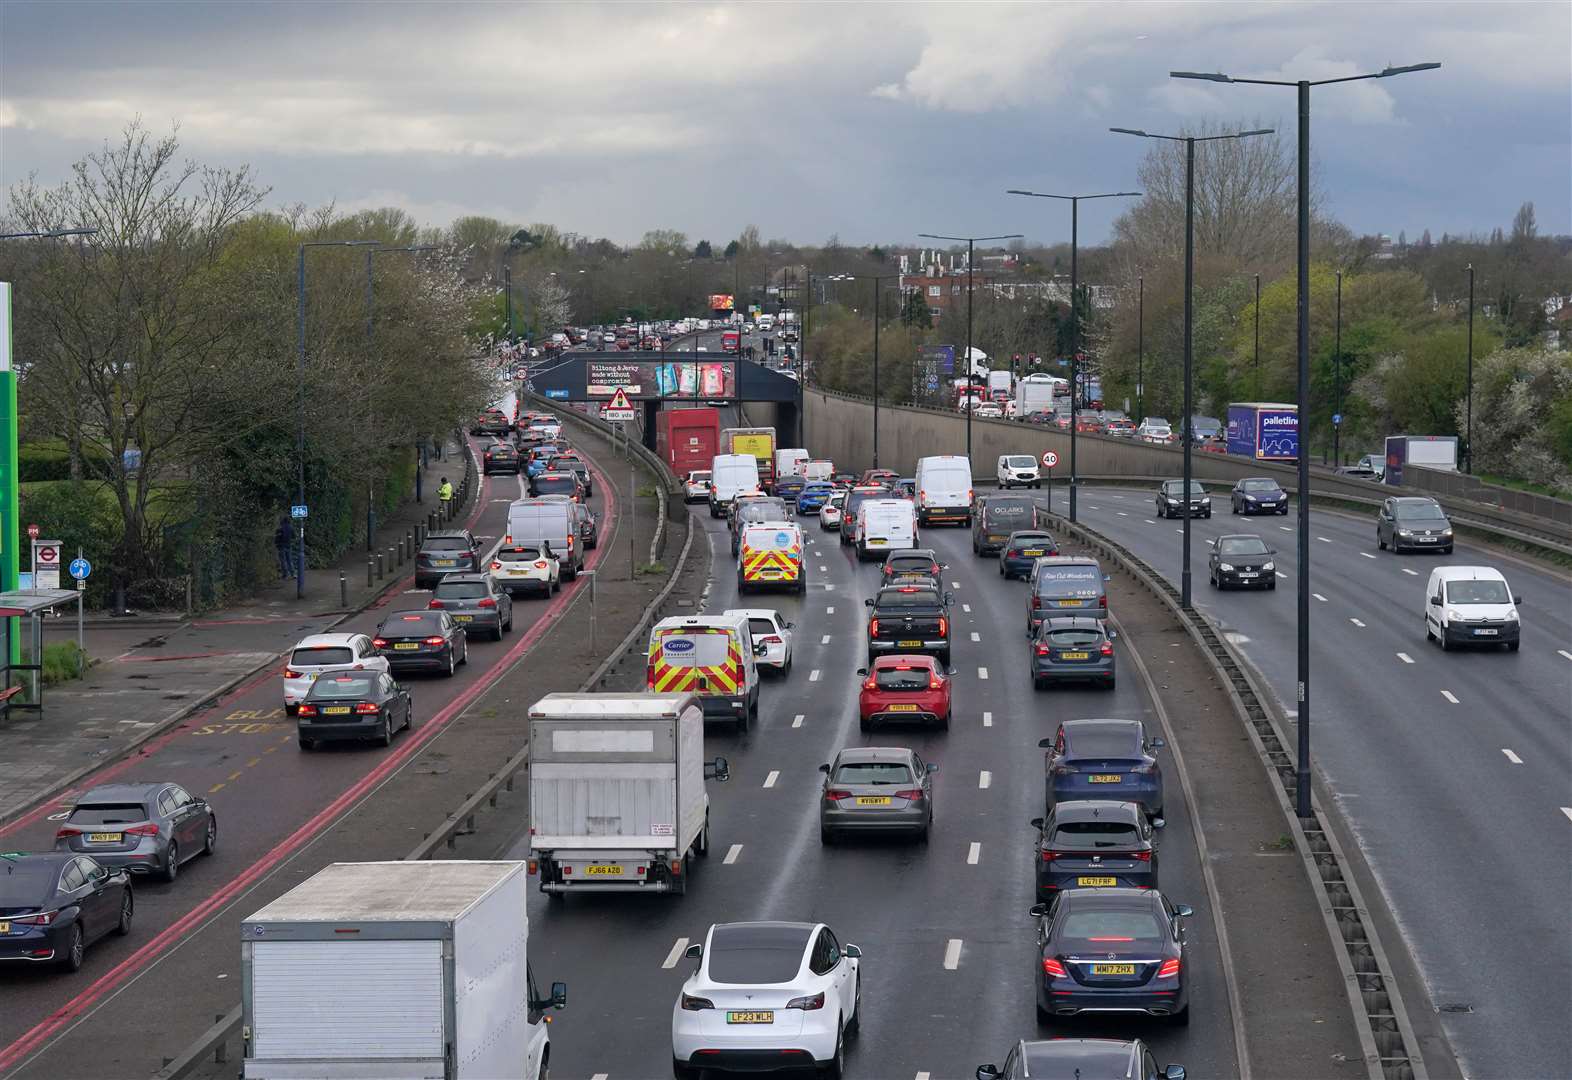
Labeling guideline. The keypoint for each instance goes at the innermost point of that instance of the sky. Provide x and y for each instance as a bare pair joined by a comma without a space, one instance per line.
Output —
868,122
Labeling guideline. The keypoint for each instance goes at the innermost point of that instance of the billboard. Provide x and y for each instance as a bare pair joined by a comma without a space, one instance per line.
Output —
722,302
941,356
1265,432
654,380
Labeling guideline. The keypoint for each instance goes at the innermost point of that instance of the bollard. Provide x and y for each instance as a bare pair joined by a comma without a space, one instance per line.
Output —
343,590
409,544
381,568
221,1052
391,563
371,569
401,551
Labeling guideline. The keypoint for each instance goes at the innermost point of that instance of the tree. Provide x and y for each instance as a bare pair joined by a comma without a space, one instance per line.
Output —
1524,228
701,250
914,310
1525,394
732,248
553,308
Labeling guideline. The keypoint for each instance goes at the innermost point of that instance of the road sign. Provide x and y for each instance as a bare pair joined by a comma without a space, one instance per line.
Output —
49,552
297,512
1337,418
1050,458
521,372
32,532
619,407
46,564
80,569
81,585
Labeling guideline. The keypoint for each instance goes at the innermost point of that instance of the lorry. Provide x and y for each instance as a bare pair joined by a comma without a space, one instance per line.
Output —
1037,393
758,441
1428,451
999,382
731,341
1264,430
686,439
617,793
407,970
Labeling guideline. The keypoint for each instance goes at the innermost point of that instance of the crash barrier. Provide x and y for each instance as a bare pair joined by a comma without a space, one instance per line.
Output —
1456,485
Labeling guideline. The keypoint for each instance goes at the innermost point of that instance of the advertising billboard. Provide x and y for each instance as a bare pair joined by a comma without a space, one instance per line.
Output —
654,380
941,356
722,302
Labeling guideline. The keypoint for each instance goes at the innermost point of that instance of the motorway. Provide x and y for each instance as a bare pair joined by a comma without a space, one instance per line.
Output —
272,802
944,927
1451,768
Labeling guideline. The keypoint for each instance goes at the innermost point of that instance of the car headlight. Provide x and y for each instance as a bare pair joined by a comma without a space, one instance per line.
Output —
1404,532
1511,616
1249,498
1227,568
1171,499
1446,532
1207,499
1269,566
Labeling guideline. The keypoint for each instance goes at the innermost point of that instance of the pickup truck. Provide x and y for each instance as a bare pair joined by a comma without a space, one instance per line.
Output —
913,618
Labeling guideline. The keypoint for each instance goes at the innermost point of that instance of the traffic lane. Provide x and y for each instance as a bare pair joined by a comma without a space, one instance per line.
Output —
260,795
1022,716
1412,789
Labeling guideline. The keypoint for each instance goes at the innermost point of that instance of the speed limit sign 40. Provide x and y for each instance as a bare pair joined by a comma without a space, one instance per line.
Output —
1050,459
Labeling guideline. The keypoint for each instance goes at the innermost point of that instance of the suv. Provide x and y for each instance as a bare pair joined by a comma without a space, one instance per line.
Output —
499,457
527,568
1154,429
909,619
453,552
476,602
1415,523
491,422
1022,550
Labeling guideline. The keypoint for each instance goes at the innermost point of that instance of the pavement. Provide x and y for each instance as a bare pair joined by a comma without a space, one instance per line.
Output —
152,672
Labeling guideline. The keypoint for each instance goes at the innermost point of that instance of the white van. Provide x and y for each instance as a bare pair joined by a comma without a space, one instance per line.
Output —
791,463
731,475
547,521
1471,605
818,469
885,525
944,489
712,656
1018,469
766,323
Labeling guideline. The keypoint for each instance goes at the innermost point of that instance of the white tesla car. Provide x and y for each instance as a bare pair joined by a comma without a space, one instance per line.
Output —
767,995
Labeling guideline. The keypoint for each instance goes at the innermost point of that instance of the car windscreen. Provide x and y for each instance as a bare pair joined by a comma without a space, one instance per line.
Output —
461,590
1068,582
1258,485
1477,592
1095,835
747,955
1074,637
1419,512
556,485
1096,928
323,656
901,678
1121,742
1020,461
445,543
1175,487
1241,545
907,598
872,772
341,688
95,815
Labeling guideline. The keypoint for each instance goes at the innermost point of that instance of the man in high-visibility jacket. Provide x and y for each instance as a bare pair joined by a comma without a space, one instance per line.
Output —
445,496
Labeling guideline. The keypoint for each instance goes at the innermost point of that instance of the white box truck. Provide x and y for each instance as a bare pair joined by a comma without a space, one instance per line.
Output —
1037,393
396,970
1425,451
617,800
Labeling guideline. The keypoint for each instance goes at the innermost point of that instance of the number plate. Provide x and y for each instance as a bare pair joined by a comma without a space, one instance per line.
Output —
1105,778
766,1017
873,800
1486,632
902,708
463,618
1113,969
1032,551
770,574
406,645
1427,539
1075,656
5,928
1069,603
444,562
909,644
105,837
336,710
1097,882
601,870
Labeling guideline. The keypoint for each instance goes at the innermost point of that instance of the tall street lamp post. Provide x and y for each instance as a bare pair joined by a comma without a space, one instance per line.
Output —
1140,349
1075,312
1302,86
971,243
1258,337
1337,378
1189,317
1468,430
371,307
300,385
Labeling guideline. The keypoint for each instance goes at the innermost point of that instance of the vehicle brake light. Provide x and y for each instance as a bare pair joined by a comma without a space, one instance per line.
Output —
1042,650
1050,856
1107,649
1169,970
1110,939
307,710
1138,856
42,918
291,673
366,708
570,541
434,604
436,641
968,494
1052,968
1037,602
944,626
836,794
488,602
1102,601
935,681
869,683
813,1001
770,639
541,565
908,588
694,1004
649,675
149,829
911,794
496,566
66,831
379,643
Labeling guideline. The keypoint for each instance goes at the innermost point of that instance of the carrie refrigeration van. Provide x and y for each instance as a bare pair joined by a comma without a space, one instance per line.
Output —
397,970
617,796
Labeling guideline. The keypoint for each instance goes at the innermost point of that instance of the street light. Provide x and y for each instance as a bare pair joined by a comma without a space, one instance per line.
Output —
47,234
971,243
1337,379
1075,310
1189,317
1258,337
1140,349
371,521
300,382
1468,434
1302,691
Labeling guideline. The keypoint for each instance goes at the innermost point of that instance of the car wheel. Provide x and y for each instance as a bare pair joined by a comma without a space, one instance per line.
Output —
290,708
1380,543
464,656
1037,684
450,663
1272,585
922,837
1283,510
1512,646
409,718
1428,635
1108,684
944,722
127,909
703,846
856,1020
826,837
210,838
1182,1017
386,738
864,725
1441,637
172,869
72,960
1044,1017
679,1071
307,744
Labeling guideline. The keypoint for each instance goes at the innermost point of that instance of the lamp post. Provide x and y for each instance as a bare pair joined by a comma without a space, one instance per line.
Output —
1189,318
1075,311
1302,691
971,243
1140,349
371,521
1468,431
1258,337
507,299
300,385
1337,378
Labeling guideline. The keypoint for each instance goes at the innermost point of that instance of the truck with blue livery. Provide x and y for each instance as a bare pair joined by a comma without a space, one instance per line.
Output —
1264,431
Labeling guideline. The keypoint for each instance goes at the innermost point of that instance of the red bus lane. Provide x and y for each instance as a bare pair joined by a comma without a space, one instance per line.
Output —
270,800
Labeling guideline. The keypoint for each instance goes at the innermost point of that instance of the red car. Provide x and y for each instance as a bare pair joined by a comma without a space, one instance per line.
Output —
904,687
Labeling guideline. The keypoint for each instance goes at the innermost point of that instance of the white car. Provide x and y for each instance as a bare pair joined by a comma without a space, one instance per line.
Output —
696,488
772,632
320,654
830,512
1018,469
988,412
527,568
785,992
1155,429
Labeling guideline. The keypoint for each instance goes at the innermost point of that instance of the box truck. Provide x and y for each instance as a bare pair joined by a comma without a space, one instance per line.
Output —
402,970
1265,431
1038,393
758,441
617,796
686,439
1429,451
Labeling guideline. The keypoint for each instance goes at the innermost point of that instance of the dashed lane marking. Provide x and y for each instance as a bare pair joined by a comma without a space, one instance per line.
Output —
952,950
973,853
1410,573
1510,756
1564,653
825,640
1121,513
1367,555
987,719
1567,810
976,636
769,781
1357,623
830,610
955,584
731,854
1449,696
1323,540
1285,528
796,721
984,779
982,673
1319,597
1405,658
1280,574
813,676
966,608
676,953
1149,521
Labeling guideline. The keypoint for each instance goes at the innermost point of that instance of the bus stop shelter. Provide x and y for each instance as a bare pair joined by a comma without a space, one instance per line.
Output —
24,657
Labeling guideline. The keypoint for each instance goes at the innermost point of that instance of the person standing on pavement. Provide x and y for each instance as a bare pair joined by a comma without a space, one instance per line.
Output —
284,543
445,496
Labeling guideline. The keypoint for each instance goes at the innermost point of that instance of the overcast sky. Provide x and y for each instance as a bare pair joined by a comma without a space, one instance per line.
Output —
870,122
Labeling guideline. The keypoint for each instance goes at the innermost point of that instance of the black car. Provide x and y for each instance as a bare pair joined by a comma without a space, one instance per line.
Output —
996,517
53,904
421,641
444,553
1082,1059
491,422
1021,549
789,487
354,706
574,464
1171,501
145,828
909,619
565,482
1092,844
499,458
916,566
1241,560
1415,523
1257,495
1111,950
1072,648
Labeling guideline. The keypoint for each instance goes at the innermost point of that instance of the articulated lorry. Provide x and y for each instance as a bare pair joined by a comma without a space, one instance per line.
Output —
395,970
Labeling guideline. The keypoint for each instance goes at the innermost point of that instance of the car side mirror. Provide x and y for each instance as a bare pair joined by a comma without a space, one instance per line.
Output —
1107,577
1173,1072
1046,744
1037,911
825,769
694,952
559,995
948,599
761,649
949,673
1158,742
862,671
1184,911
1112,634
1036,823
987,1072
1158,823
932,767
944,566
852,952
867,603
1436,599
788,626
719,769
1517,599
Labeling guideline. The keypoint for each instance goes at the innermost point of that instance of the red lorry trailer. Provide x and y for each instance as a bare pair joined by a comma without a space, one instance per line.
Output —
687,439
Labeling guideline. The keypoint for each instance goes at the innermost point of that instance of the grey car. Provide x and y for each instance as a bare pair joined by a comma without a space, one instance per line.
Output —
876,789
476,603
1414,523
147,828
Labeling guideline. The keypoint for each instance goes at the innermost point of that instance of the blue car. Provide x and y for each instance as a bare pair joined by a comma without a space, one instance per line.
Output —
539,458
1104,759
814,495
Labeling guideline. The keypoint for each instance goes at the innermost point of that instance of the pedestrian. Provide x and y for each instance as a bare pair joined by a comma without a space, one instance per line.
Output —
436,448
284,543
445,496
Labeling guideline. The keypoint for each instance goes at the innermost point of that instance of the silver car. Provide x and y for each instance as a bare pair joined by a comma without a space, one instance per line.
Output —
147,828
876,789
476,603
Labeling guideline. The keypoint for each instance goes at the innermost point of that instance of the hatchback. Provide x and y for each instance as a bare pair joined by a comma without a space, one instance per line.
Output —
1021,549
876,789
1072,649
565,482
1257,495
476,602
1092,844
1104,759
321,653
917,566
1111,950
499,458
527,568
145,828
1171,501
813,496
53,904
422,641
904,687
771,636
830,512
444,553
1241,560
696,488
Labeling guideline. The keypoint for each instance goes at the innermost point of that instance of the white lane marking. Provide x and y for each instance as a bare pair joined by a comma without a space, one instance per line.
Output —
1564,653
824,569
921,1076
1449,696
1280,574
1094,508
1285,528
966,608
1510,756
813,676
976,636
600,1076
987,719
769,781
984,779
1567,810
1178,530
829,588
1410,573
1367,555
1323,540
982,673
676,953
796,721
731,854
830,610
973,853
1116,496
825,640
1357,623
1121,513
955,584
952,952
1319,597
1149,521
1405,658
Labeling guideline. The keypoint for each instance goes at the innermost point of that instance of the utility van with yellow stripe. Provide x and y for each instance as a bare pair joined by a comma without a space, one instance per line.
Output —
711,657
770,554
